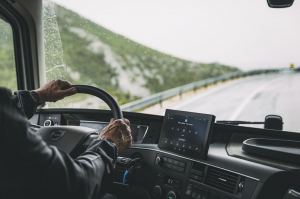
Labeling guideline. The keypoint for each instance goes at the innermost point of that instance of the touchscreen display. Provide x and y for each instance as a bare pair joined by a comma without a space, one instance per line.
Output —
186,133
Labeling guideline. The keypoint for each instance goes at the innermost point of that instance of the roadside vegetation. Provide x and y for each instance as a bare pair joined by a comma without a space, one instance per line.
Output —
7,59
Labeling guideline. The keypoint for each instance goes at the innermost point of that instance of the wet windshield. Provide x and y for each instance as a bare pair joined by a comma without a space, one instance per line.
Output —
238,60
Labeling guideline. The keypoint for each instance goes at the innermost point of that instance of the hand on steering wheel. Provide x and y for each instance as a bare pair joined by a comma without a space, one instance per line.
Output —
55,90
119,132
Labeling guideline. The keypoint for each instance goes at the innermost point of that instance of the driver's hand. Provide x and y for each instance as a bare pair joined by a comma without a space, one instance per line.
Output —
118,132
54,91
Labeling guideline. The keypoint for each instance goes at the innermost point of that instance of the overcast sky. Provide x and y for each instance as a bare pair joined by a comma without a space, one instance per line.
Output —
243,33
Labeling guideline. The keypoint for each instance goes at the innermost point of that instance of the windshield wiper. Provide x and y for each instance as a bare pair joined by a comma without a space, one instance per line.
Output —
271,122
237,122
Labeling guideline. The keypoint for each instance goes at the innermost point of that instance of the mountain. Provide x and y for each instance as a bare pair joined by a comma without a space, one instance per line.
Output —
84,52
129,70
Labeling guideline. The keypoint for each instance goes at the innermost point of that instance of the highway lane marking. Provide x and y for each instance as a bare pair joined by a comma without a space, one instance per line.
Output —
246,101
221,87
179,106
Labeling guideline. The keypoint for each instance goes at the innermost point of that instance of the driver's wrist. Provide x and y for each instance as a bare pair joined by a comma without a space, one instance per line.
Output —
110,141
36,97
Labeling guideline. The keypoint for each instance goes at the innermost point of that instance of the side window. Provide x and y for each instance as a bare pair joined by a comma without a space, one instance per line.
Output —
8,77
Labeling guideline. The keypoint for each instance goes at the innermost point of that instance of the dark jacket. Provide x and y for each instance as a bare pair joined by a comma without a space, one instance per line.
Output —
29,168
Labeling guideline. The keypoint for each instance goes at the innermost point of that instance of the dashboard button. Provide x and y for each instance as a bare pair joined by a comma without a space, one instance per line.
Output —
48,123
171,195
159,161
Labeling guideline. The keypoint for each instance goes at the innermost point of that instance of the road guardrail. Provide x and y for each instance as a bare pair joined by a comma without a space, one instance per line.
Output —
164,95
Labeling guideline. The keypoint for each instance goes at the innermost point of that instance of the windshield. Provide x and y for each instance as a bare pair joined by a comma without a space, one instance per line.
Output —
238,60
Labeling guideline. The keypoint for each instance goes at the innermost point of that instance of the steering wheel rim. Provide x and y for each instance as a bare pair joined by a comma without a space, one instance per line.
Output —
70,138
107,98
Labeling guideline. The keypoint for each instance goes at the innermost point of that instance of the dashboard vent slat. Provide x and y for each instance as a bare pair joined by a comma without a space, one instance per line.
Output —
222,179
230,178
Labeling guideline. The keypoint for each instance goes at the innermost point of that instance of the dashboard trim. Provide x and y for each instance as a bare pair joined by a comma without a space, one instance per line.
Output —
191,159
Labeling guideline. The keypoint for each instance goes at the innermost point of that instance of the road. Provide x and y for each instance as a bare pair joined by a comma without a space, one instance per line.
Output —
251,99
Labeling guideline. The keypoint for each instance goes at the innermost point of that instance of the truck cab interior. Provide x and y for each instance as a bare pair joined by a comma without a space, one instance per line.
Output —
178,155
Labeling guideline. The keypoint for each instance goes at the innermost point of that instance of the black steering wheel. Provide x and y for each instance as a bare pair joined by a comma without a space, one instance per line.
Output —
70,138
103,95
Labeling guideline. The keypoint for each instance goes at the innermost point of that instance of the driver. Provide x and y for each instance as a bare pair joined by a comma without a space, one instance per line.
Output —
29,168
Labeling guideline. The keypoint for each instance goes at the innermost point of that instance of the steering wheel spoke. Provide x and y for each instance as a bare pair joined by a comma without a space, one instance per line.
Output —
66,138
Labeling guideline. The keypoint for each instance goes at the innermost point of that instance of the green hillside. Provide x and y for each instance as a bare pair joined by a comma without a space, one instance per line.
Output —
7,60
118,58
96,56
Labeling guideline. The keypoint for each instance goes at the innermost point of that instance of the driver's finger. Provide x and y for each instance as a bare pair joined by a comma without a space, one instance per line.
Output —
64,84
126,133
67,92
120,121
58,82
126,121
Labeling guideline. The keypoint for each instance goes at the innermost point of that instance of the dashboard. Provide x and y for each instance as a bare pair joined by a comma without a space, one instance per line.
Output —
187,155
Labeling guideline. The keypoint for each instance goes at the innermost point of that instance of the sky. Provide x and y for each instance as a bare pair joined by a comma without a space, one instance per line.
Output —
242,33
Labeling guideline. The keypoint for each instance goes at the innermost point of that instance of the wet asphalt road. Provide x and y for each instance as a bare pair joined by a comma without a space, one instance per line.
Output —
251,99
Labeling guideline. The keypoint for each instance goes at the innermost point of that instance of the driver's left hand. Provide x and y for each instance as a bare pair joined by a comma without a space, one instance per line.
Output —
54,91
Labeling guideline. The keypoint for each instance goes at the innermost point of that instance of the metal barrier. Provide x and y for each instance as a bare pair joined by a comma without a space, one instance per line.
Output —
164,95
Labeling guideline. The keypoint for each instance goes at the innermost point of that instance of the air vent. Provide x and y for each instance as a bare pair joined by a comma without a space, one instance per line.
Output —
221,179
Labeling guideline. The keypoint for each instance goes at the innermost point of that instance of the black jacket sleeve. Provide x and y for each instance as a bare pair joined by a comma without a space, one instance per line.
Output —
32,168
26,103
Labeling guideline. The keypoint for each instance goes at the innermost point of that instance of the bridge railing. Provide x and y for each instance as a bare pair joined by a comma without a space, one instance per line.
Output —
164,95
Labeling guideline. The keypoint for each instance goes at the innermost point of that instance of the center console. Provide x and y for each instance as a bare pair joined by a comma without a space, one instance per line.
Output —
187,179
179,161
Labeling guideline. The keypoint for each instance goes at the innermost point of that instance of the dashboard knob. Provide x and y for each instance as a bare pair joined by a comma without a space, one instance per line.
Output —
156,192
159,160
171,195
48,123
240,186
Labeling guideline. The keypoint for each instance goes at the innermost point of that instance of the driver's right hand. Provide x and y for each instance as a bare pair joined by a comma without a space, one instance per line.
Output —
119,132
